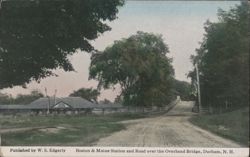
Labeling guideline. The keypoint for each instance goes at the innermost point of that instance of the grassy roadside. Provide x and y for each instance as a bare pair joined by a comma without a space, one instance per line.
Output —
63,130
233,125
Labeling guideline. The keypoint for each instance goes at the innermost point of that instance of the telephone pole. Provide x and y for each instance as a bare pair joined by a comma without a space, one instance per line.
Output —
48,106
198,87
55,97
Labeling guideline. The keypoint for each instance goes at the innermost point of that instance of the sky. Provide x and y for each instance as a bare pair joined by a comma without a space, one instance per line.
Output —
180,23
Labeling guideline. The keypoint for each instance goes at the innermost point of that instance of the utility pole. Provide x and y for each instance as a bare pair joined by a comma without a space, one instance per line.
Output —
198,87
48,100
55,97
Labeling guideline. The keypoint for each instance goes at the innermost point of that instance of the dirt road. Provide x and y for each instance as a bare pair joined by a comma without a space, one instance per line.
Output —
170,130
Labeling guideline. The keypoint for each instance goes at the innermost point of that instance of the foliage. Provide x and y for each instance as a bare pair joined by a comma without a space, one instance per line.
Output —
140,66
37,36
5,99
21,98
28,98
183,89
86,93
118,99
105,101
223,59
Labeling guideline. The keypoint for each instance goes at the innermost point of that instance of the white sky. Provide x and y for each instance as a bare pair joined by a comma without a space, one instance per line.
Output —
180,23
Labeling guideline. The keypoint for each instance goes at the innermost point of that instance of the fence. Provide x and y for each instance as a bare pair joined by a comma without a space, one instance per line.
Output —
136,109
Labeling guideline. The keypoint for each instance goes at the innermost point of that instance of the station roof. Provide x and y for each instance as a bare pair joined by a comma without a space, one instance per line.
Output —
60,103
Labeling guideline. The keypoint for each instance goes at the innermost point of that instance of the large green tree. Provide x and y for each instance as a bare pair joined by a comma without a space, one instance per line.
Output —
140,66
37,36
223,59
89,94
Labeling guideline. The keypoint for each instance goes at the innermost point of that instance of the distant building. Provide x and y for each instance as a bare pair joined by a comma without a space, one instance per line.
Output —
51,105
10,109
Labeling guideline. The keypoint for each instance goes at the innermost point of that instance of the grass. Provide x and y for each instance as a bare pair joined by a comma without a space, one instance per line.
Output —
233,125
74,130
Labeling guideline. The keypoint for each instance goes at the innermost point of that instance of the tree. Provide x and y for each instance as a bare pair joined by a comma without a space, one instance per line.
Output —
21,98
140,66
183,89
118,99
223,59
37,36
5,99
105,101
28,98
89,94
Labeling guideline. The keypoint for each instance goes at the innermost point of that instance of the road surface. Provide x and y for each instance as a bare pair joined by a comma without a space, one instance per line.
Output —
170,130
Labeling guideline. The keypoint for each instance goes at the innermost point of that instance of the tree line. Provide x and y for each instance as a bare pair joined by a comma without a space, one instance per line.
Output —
223,60
23,99
89,94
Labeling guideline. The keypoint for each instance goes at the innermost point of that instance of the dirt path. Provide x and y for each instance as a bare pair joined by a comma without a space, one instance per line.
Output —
20,129
171,130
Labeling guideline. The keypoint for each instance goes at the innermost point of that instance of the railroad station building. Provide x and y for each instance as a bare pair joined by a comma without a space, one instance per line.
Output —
52,105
